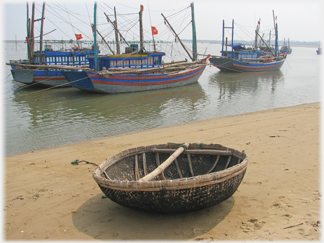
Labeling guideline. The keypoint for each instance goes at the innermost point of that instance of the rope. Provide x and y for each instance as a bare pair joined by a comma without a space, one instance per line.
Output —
77,162
183,146
200,145
50,87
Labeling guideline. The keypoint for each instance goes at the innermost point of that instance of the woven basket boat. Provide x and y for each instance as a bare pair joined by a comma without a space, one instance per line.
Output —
199,176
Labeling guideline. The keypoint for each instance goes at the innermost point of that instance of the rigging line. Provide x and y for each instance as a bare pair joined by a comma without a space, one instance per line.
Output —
50,87
127,24
248,33
62,18
120,13
178,12
177,24
185,27
69,19
127,6
49,20
88,13
58,7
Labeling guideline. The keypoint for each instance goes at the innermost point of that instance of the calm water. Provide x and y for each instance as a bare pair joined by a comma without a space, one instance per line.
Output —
37,119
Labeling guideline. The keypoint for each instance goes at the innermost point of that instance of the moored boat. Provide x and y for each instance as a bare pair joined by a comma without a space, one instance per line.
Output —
286,48
319,50
137,69
240,59
248,65
44,66
49,71
149,74
194,177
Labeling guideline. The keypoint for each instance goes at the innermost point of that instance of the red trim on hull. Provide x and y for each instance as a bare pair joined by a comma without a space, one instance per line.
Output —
48,78
257,68
148,78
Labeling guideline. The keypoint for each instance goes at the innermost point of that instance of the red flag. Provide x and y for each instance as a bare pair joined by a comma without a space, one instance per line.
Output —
142,8
78,36
27,39
154,30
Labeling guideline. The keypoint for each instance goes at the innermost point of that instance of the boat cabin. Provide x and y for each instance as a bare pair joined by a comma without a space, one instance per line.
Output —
129,60
241,52
69,58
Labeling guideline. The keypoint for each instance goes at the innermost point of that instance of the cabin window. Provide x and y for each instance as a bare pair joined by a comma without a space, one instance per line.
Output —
156,60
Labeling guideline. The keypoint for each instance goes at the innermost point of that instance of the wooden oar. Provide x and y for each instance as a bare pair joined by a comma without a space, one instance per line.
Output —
164,165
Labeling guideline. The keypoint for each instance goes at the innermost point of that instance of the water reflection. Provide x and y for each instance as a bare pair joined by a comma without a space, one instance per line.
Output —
229,84
79,116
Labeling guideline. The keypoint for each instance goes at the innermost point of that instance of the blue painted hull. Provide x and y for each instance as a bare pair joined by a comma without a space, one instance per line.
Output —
24,73
228,64
257,67
91,81
42,77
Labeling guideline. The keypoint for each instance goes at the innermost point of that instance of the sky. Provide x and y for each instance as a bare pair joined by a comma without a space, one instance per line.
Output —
297,20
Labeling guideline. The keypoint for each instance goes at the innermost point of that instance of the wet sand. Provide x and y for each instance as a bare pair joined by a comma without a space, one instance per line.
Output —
46,197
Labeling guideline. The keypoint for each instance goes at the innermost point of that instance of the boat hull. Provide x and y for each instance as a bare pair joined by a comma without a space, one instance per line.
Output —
244,66
90,81
286,51
24,76
50,78
176,201
43,77
195,189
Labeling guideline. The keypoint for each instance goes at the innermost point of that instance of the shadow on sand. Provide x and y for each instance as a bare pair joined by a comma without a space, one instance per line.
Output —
103,219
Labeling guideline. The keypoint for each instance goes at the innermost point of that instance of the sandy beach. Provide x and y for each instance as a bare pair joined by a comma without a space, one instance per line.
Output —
47,197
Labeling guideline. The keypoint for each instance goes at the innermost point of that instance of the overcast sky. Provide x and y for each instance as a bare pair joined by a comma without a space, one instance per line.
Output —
297,20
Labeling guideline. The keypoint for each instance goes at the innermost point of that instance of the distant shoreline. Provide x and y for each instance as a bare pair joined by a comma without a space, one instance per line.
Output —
292,43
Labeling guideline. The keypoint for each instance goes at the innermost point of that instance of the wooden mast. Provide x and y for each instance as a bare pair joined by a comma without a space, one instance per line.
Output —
28,32
31,39
256,35
116,33
152,29
276,48
166,21
232,38
104,40
141,29
265,43
194,38
41,36
276,34
121,36
95,36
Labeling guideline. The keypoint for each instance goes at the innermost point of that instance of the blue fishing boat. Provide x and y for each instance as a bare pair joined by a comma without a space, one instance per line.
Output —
49,73
286,48
241,59
136,70
44,66
319,50
140,72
